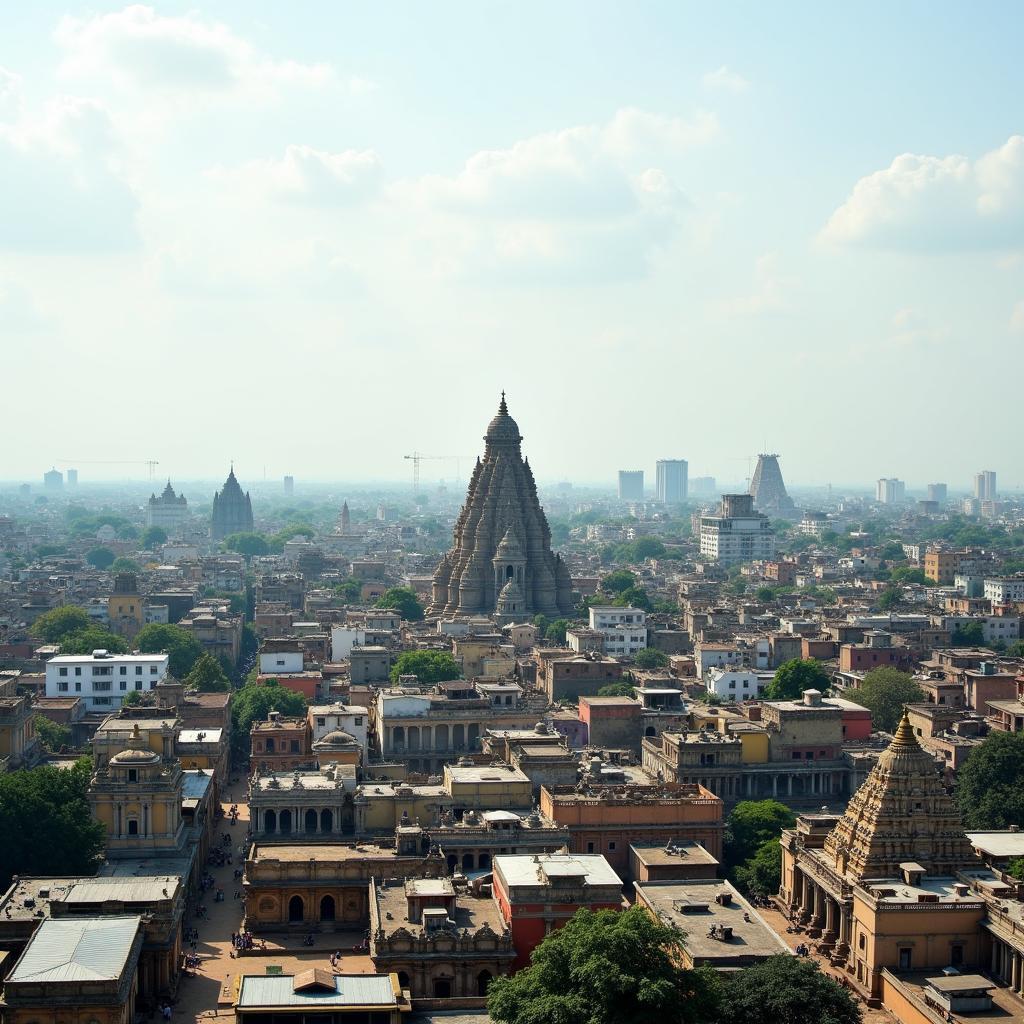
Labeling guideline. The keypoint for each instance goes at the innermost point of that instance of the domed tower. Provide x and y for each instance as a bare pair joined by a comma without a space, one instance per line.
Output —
502,554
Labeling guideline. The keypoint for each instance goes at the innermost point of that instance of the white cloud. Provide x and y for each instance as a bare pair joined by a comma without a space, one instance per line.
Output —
939,202
1017,319
139,47
725,80
771,290
912,328
305,174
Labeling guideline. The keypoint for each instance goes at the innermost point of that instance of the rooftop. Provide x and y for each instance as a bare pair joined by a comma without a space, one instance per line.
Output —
79,949
484,773
200,735
307,989
680,850
295,853
470,914
998,844
539,869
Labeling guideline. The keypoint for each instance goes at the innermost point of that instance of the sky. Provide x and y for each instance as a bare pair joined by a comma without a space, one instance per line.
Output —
315,237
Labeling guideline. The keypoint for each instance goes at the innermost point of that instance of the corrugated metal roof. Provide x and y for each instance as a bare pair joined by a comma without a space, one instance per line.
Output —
82,949
194,784
126,890
352,990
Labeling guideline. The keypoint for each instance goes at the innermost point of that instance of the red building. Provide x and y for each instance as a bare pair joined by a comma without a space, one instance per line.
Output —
537,894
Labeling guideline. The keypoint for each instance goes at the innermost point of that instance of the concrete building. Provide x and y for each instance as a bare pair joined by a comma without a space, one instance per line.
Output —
890,491
319,994
101,679
938,493
327,720
985,485
1004,590
169,511
631,485
736,684
671,481
569,678
737,533
624,629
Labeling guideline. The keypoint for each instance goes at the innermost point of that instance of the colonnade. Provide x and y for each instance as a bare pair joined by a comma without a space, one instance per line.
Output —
297,820
1008,964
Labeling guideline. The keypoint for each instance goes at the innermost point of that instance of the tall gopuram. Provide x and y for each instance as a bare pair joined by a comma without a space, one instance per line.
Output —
768,489
501,563
232,510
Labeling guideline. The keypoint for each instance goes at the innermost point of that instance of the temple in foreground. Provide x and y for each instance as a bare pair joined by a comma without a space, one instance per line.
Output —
501,564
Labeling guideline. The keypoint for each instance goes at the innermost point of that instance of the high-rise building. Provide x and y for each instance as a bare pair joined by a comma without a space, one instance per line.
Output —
703,485
671,483
737,533
53,480
767,487
232,510
937,492
72,478
890,491
501,562
985,485
289,485
631,485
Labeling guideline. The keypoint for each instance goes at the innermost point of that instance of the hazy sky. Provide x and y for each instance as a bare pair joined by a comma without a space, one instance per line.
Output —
317,236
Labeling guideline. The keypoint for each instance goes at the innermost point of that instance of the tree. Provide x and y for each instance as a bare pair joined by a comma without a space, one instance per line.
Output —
786,989
884,691
988,790
970,634
207,676
888,599
761,875
650,658
402,600
1016,649
634,597
640,550
1015,869
254,701
764,594
52,735
349,590
247,544
556,631
100,558
131,698
46,822
606,967
541,621
152,536
793,677
95,638
618,581
616,690
54,625
124,565
427,666
163,638
910,574
751,824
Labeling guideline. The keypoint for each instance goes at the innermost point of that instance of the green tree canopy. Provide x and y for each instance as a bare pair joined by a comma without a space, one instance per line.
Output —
793,677
1015,868
751,824
634,597
884,691
402,600
639,550
247,544
100,558
95,638
618,581
786,989
349,590
555,631
616,690
253,702
761,875
54,625
207,676
123,564
888,599
970,634
152,536
606,967
52,735
427,666
988,790
163,638
46,823
650,658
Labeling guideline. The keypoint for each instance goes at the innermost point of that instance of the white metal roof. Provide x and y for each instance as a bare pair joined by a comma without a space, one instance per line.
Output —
350,990
998,844
79,949
124,890
529,869
200,735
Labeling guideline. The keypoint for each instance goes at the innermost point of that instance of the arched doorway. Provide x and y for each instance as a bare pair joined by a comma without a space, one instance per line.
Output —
650,731
310,820
348,815
270,821
286,821
296,910
473,736
442,988
326,821
327,908
467,862
483,979
453,862
484,861
403,979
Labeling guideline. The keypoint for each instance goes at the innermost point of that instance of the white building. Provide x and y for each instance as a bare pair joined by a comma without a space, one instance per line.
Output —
624,629
343,639
814,524
890,491
631,485
102,679
169,511
737,533
670,477
1002,590
349,718
985,485
280,662
737,684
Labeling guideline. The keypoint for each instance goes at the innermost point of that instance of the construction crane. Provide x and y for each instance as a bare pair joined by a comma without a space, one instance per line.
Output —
417,457
151,464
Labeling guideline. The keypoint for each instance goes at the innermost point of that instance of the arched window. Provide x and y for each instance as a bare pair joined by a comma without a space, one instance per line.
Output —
467,862
311,820
510,573
286,821
442,988
484,861
403,979
327,908
270,821
326,821
296,910
483,979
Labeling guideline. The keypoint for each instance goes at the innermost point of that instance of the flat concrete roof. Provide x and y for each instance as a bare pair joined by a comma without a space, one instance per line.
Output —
484,773
998,844
683,851
531,870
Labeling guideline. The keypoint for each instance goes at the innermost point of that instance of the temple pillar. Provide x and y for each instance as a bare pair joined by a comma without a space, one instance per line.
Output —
775,785
818,917
789,785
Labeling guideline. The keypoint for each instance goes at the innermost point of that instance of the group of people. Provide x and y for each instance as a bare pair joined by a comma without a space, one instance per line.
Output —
165,1010
233,814
803,949
245,940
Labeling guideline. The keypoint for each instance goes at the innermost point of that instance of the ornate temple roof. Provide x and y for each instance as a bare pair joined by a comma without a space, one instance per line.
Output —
902,813
503,428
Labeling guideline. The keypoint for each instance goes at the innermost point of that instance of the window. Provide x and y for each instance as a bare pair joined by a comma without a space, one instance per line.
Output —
62,687
590,847
862,943
905,958
138,684
295,746
611,846
124,684
138,670
78,670
152,670
133,775
321,721
124,670
133,827
956,955
78,687
62,672
359,720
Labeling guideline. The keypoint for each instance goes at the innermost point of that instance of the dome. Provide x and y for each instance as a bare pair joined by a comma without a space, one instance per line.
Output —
509,546
503,427
337,738
136,757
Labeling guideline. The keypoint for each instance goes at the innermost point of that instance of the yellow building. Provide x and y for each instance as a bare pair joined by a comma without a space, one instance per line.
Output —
893,886
125,606
487,788
19,744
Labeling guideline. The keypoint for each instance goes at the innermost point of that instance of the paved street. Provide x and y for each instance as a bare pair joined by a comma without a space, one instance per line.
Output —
198,995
